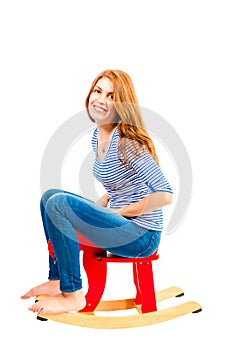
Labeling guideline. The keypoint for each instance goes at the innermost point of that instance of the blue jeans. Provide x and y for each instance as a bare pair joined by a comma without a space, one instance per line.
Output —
63,213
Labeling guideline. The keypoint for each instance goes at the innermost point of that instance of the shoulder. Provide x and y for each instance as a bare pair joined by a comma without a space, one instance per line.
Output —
95,132
94,138
134,148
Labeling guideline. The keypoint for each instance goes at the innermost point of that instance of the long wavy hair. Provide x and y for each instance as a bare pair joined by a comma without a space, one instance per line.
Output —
129,118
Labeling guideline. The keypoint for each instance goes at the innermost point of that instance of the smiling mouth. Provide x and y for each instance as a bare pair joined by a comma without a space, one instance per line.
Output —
99,109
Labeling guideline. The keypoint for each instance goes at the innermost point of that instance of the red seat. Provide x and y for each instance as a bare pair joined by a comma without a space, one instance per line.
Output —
95,262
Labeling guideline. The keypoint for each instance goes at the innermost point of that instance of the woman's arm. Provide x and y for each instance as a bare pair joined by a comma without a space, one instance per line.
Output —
153,201
103,201
151,174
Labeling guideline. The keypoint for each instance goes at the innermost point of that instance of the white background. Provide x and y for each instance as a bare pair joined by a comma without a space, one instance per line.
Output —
179,55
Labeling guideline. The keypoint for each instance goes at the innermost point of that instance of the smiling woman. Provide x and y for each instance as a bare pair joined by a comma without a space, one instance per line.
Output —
120,90
101,102
127,165
102,111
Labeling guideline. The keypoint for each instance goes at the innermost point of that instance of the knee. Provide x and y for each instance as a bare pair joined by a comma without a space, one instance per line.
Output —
56,203
47,195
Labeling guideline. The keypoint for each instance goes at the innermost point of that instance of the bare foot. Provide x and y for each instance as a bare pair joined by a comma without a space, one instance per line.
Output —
49,287
62,302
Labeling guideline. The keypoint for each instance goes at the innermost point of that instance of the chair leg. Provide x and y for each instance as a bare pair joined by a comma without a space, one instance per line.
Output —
138,299
96,273
146,285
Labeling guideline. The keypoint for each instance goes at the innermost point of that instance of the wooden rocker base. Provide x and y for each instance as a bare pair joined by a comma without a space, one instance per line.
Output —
92,320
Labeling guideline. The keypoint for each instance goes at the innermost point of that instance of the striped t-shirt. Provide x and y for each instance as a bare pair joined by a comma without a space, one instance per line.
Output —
126,185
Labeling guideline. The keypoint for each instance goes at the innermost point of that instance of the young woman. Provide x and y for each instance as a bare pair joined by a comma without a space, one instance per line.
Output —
128,219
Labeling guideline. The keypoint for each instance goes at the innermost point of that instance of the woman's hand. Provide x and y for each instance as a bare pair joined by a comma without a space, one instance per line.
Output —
153,201
103,201
117,210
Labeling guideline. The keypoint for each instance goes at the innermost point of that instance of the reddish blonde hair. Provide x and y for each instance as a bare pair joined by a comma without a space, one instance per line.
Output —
130,122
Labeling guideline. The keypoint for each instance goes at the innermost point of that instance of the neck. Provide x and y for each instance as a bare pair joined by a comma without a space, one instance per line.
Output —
106,129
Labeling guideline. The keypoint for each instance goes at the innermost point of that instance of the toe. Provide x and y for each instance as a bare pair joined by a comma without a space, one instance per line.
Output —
35,307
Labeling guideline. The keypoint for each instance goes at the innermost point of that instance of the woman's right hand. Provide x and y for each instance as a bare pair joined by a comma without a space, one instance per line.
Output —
103,201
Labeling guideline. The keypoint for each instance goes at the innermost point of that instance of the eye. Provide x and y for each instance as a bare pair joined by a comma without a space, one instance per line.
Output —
97,91
110,96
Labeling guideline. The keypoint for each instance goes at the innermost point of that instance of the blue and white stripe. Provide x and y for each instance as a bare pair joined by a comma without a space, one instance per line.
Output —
126,185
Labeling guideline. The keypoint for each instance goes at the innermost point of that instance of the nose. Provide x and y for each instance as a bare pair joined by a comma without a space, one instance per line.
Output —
102,98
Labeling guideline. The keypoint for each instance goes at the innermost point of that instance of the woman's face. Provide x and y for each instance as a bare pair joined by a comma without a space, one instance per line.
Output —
101,107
